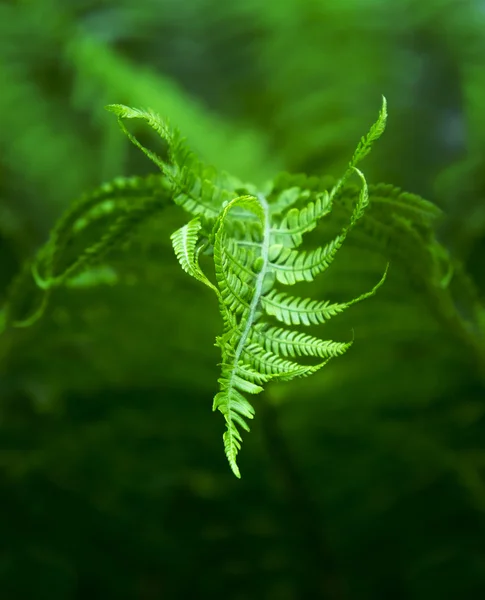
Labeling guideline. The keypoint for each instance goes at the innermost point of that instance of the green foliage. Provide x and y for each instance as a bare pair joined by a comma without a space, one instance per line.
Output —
247,267
87,231
362,482
254,240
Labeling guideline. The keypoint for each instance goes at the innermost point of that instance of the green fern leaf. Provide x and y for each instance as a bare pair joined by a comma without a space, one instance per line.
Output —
253,236
199,189
274,366
303,311
297,222
253,247
93,226
235,408
295,343
373,135
184,242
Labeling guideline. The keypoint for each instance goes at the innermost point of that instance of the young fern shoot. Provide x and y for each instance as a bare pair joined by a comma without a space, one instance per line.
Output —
254,238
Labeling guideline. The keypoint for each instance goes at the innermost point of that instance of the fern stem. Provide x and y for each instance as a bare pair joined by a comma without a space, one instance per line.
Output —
258,285
232,367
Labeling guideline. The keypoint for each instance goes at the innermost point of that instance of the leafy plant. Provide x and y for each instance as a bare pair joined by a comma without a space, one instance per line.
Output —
253,241
253,236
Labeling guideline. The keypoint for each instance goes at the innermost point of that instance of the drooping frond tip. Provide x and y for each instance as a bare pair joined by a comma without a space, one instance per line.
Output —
197,188
152,119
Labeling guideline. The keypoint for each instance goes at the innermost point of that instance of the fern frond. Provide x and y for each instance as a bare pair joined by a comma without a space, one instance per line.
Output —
234,288
297,222
303,311
295,343
123,225
241,258
373,135
184,242
111,200
270,364
94,225
253,237
292,266
199,189
300,311
234,278
254,247
246,374
363,148
235,408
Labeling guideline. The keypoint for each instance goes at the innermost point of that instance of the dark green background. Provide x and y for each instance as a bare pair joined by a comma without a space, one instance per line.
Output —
364,482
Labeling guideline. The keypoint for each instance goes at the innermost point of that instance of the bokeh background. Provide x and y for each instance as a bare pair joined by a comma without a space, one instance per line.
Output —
365,482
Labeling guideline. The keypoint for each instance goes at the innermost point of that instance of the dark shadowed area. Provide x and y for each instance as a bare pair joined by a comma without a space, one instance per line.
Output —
365,481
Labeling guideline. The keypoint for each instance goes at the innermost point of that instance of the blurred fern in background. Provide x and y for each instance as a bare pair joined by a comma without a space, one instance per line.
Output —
365,481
